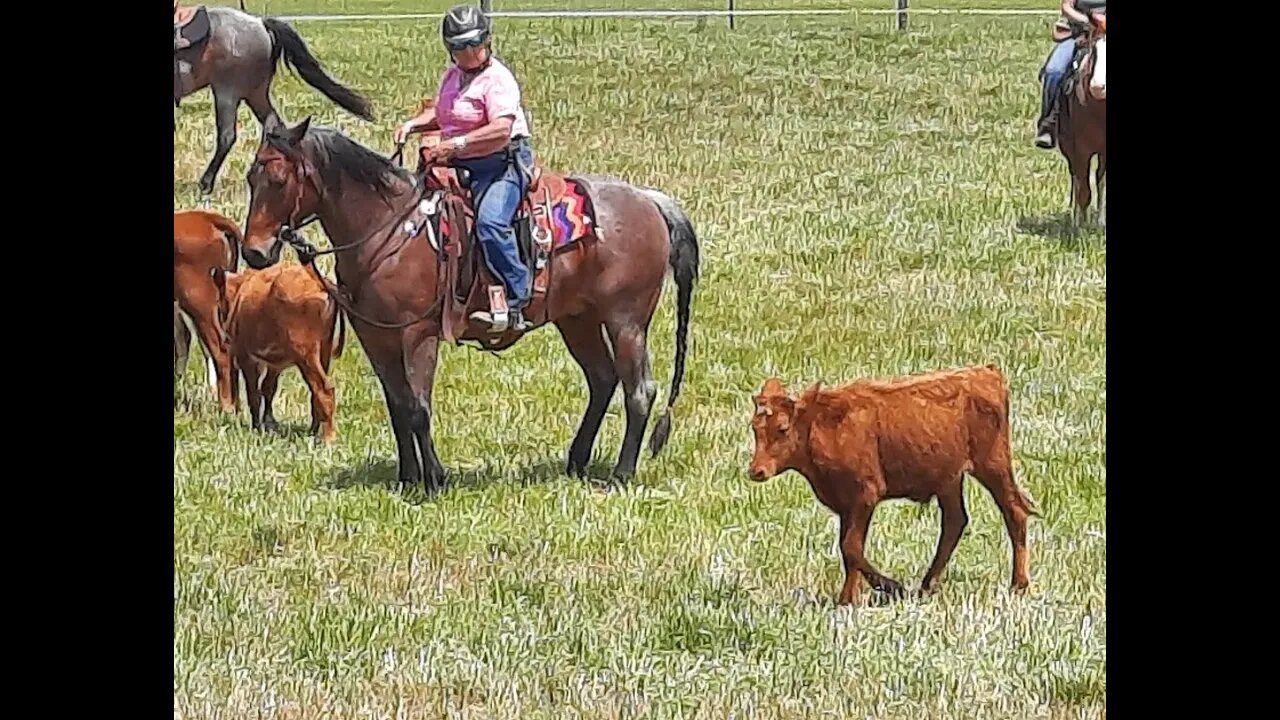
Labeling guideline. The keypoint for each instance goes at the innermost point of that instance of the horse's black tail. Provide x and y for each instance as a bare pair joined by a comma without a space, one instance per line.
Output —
285,40
684,266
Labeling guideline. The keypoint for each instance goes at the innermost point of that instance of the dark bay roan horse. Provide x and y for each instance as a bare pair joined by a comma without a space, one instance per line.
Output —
397,240
1082,123
235,54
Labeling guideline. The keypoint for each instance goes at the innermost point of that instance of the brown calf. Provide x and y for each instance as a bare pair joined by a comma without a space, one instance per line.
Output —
279,318
911,437
202,241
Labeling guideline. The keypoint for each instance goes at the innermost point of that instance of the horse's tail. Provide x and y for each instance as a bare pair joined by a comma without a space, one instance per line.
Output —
231,236
684,266
287,42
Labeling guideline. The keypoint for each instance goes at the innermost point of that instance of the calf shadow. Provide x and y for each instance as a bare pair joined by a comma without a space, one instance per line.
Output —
383,473
1059,226
284,430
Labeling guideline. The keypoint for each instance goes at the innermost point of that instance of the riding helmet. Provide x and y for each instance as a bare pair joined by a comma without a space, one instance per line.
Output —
464,26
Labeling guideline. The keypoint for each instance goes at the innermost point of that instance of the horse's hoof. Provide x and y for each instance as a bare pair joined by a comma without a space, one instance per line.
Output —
436,484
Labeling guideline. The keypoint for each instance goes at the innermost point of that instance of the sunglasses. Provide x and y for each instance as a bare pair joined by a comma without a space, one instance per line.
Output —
464,44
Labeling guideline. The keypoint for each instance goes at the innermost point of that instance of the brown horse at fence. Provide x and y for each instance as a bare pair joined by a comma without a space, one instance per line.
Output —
406,263
1082,124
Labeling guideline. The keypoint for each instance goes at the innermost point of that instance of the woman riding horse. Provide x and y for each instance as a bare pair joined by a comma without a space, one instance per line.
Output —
484,130
1073,23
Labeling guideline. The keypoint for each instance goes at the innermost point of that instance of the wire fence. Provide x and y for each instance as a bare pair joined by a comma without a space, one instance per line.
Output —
361,10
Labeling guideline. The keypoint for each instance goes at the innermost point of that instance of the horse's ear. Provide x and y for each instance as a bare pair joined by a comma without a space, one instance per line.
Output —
299,131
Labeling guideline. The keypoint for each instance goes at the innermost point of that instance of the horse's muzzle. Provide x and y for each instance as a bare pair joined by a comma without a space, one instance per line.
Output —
255,258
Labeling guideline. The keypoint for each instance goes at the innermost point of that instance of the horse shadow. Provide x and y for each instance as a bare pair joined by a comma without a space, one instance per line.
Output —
382,473
1060,227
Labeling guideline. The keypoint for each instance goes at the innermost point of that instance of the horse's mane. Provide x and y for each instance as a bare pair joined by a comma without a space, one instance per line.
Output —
336,156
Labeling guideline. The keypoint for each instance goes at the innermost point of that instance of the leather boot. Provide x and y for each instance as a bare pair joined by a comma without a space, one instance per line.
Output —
1047,124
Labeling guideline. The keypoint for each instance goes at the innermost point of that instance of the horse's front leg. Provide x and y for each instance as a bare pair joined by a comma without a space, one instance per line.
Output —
421,353
395,388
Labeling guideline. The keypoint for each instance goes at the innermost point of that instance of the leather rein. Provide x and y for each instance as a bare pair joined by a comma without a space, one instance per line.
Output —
307,253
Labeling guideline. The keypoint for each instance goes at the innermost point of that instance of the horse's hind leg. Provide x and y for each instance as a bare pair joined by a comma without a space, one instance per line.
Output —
259,101
631,361
225,103
584,336
1081,195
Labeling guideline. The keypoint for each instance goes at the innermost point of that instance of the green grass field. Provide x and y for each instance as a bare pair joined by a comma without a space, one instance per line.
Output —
868,203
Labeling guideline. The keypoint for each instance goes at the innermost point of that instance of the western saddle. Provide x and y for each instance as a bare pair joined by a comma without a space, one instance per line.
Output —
190,25
182,14
466,276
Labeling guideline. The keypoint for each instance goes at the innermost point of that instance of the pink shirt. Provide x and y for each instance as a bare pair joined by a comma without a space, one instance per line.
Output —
491,94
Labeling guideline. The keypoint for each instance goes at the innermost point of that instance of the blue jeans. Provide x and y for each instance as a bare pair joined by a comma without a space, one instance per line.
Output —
1056,67
498,186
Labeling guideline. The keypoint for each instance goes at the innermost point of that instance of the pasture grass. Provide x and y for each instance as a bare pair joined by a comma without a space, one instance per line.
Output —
868,203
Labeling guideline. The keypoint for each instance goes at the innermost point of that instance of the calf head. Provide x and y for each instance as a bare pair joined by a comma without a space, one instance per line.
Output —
777,437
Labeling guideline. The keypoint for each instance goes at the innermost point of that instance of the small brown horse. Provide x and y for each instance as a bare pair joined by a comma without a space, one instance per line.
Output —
603,289
1083,123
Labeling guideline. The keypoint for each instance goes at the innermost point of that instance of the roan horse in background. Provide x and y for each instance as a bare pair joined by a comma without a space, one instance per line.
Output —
603,288
1082,122
235,54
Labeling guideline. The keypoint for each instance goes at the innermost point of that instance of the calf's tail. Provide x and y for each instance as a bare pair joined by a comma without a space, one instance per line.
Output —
232,236
684,260
996,411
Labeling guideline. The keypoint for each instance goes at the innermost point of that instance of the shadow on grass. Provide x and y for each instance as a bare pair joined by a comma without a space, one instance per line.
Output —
286,430
1060,227
383,473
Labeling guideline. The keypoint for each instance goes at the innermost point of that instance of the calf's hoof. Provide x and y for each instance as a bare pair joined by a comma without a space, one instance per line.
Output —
893,589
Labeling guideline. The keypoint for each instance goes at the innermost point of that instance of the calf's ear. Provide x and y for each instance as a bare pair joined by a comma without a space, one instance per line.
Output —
772,386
